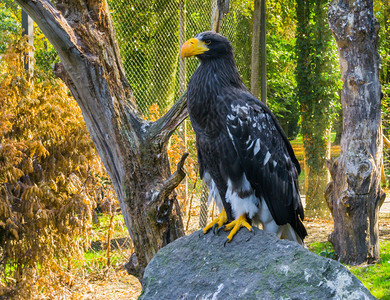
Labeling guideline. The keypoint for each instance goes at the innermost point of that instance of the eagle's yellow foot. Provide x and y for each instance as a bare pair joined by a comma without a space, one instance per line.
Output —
217,222
236,225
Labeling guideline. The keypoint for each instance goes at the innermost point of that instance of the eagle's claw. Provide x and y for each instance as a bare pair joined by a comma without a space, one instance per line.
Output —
253,233
217,222
215,228
236,225
227,241
221,228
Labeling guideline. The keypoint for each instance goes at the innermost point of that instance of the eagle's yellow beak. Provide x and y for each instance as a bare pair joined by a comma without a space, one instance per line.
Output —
193,47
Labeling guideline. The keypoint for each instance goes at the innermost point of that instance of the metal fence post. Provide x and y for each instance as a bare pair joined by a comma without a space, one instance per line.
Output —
203,206
218,10
183,80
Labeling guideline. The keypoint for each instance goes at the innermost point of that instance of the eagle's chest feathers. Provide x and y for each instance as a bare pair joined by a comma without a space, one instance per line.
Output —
206,110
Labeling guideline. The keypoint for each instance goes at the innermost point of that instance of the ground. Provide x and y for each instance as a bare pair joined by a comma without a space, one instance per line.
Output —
119,285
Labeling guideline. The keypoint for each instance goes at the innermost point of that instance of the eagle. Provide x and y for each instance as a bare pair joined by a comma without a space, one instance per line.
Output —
244,156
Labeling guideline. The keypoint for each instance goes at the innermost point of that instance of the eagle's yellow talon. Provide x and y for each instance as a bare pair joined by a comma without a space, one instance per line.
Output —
236,225
219,221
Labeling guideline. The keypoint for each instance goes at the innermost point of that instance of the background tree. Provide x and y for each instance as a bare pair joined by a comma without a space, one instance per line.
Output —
316,91
355,196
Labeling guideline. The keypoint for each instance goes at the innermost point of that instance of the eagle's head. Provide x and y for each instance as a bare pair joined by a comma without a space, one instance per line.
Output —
207,45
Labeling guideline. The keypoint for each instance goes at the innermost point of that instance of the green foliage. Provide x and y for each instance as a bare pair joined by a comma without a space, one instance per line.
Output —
376,277
318,85
382,13
148,38
45,55
10,20
317,76
324,249
281,82
10,24
49,174
237,27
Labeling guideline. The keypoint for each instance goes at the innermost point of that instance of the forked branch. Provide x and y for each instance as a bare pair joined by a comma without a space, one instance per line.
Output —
163,128
173,181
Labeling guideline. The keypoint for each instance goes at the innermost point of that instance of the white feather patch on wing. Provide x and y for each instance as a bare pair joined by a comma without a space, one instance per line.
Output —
240,206
267,157
213,191
257,147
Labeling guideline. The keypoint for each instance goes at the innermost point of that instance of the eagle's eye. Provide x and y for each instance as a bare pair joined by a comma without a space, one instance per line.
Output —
207,42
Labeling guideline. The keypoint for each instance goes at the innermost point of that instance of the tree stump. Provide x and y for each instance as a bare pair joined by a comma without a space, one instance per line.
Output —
354,195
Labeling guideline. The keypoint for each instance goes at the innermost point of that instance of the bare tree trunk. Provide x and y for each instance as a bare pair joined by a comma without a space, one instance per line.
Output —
219,8
316,180
354,196
28,30
132,150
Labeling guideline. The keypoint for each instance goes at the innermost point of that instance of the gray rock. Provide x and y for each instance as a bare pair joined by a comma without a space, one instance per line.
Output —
200,267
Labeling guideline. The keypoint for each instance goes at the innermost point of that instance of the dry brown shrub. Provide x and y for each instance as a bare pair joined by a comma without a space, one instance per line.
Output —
49,176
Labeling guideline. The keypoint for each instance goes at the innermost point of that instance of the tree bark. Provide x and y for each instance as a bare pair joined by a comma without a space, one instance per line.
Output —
219,8
355,195
132,150
316,180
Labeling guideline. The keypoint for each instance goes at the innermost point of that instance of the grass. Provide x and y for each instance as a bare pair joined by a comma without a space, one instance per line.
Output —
324,249
97,258
118,226
375,277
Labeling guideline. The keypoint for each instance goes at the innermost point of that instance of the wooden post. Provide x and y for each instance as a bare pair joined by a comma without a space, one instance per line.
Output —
182,37
219,8
263,59
255,63
28,29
